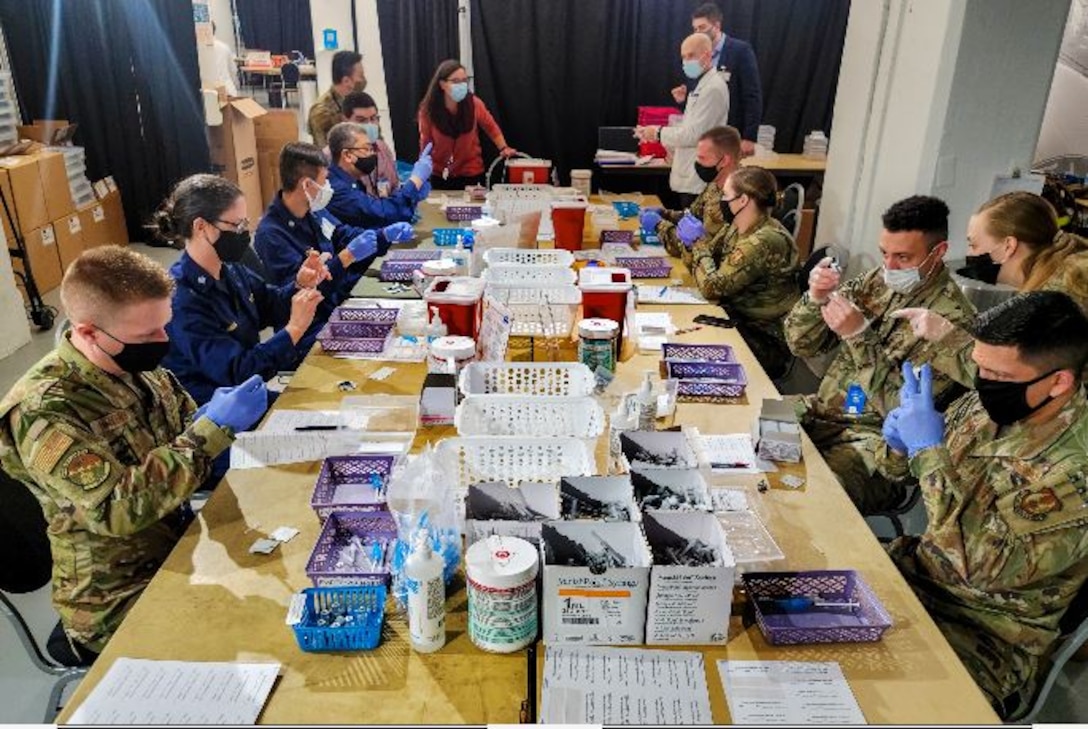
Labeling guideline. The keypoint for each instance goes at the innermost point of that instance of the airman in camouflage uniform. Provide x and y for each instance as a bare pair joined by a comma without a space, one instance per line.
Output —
1005,550
754,277
871,359
107,443
706,208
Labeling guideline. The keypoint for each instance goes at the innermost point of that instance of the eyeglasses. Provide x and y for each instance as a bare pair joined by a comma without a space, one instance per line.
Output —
452,80
242,226
369,151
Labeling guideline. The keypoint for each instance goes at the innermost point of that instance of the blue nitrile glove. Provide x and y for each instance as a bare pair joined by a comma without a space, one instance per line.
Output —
690,229
920,425
649,220
425,191
890,430
398,232
424,166
203,409
364,245
238,408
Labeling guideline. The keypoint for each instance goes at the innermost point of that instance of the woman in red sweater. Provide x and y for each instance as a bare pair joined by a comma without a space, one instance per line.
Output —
449,118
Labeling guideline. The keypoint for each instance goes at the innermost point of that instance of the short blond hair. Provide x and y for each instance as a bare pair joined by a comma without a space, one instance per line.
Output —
107,278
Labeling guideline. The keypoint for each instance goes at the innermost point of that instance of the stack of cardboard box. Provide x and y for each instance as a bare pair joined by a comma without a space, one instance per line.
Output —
274,129
233,146
35,186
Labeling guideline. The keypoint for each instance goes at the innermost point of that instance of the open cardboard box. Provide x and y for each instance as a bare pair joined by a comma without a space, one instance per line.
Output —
688,604
597,498
495,508
596,579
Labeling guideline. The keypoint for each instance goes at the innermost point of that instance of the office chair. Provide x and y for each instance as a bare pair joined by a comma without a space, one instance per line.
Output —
289,78
792,200
895,514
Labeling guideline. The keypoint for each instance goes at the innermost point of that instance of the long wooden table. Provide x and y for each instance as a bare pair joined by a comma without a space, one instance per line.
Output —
790,165
213,601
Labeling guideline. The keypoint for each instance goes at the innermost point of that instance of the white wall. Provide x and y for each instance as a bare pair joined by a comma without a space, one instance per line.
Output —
370,45
334,14
224,22
934,97
1065,123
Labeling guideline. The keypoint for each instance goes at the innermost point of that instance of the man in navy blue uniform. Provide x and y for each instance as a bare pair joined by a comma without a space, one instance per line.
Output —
354,158
298,223
738,59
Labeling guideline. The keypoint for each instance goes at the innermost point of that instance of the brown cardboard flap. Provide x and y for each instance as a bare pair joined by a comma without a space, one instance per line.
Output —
247,107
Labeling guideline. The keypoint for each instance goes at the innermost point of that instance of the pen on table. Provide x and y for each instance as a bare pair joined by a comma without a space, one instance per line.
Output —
316,427
663,291
735,464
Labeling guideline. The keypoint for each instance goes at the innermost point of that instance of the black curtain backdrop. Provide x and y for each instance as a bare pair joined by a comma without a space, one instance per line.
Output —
417,35
127,73
280,26
552,72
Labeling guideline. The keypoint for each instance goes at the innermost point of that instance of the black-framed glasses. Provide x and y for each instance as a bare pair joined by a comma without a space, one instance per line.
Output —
370,151
242,226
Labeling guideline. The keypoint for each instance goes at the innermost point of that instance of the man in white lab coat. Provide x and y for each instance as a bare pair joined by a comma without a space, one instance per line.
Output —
225,70
707,107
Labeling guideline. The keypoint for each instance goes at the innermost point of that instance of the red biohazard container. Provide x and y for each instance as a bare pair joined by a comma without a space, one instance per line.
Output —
529,171
605,292
569,222
457,301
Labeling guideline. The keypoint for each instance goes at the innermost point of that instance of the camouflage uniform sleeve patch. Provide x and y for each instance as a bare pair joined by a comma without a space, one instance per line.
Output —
50,451
86,468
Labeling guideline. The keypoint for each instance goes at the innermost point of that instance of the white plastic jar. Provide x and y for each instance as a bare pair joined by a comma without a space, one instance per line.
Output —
502,604
461,350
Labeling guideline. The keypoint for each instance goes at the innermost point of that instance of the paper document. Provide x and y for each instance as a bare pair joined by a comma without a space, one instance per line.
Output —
648,294
727,453
788,692
258,449
623,686
138,691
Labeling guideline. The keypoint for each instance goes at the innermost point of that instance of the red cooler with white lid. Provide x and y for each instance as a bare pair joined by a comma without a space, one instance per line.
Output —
605,292
457,299
529,171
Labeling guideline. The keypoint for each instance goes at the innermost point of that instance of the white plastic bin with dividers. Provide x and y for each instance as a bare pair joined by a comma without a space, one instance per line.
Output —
539,311
483,459
571,379
526,415
528,257
512,273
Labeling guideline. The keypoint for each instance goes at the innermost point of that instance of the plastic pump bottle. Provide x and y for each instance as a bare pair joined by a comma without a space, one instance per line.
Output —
437,327
647,404
426,597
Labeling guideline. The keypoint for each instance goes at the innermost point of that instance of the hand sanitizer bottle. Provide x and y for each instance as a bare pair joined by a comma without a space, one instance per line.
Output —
647,404
426,597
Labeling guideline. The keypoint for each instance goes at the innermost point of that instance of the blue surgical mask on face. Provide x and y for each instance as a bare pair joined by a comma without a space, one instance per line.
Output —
693,69
458,92
372,131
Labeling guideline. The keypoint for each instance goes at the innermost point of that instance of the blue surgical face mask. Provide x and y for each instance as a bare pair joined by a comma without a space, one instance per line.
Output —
458,92
905,280
372,131
693,69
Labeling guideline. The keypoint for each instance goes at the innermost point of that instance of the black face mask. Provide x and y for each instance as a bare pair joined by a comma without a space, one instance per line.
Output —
727,212
983,268
232,245
366,165
707,173
1007,402
138,356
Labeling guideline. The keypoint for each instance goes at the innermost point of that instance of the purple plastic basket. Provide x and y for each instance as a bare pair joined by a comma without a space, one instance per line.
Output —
339,528
864,624
398,271
339,329
646,266
677,352
361,346
461,213
339,470
617,236
708,381
369,314
413,254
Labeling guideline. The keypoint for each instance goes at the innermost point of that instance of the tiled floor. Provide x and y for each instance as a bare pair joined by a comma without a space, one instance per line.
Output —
24,691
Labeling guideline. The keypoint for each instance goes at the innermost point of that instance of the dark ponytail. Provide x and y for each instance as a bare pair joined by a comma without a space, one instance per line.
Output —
198,196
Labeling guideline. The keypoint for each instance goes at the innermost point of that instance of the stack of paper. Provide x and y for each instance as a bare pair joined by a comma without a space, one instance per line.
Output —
648,294
797,693
613,157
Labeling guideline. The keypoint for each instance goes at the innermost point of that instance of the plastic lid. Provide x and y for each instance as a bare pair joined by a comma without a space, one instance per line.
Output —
482,223
598,328
439,267
502,562
579,174
529,163
455,347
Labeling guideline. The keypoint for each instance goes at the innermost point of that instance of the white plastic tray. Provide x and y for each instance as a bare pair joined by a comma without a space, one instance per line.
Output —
512,273
529,256
480,459
539,311
571,379
525,415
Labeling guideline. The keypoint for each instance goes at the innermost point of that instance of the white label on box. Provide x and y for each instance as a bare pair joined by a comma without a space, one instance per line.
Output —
48,238
689,605
110,184
100,189
74,225
98,214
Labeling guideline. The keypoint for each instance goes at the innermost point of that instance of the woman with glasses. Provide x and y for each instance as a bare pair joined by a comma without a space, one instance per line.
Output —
750,266
220,306
450,117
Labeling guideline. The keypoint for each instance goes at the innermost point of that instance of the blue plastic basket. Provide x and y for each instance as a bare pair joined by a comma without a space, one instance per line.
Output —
367,606
447,237
626,208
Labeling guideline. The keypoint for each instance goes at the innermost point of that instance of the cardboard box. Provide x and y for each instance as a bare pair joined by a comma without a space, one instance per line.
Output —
48,131
41,245
54,176
96,231
116,226
495,508
597,498
779,432
233,146
586,597
273,131
69,233
20,179
689,603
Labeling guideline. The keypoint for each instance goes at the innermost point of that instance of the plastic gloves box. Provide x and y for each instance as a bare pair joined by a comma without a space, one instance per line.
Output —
779,432
596,581
438,400
495,508
691,582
